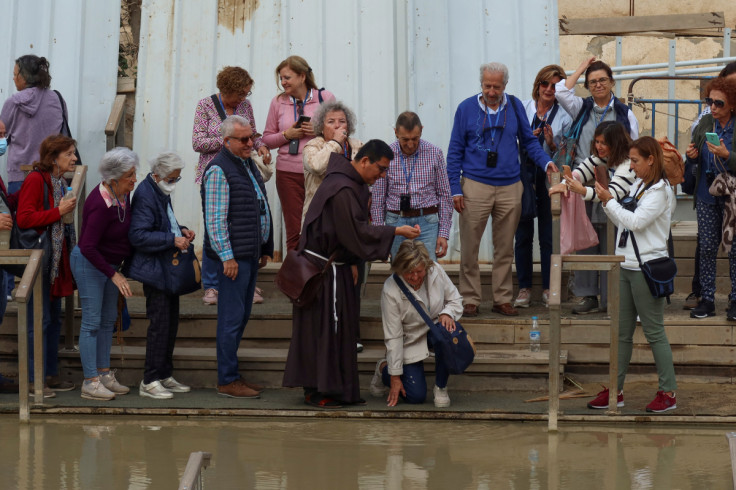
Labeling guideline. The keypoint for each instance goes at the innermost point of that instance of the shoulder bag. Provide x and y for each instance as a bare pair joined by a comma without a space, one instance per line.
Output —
182,271
65,126
28,238
457,348
300,279
659,273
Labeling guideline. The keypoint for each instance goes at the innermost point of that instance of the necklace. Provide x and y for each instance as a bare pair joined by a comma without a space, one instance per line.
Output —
119,204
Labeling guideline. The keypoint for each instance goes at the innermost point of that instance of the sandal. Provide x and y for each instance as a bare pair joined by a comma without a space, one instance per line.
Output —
320,401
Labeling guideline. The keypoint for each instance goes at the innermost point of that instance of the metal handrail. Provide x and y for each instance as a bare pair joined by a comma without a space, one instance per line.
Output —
192,477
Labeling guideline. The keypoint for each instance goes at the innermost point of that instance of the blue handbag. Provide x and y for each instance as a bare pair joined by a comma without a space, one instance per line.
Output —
456,349
182,271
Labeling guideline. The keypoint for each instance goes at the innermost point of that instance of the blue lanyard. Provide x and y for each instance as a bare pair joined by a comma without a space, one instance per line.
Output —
346,145
219,96
404,166
604,112
306,98
495,123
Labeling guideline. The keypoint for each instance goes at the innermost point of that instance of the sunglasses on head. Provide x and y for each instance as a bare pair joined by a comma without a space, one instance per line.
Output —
719,103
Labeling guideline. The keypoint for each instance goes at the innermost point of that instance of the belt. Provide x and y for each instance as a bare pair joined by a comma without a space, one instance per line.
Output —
334,283
413,213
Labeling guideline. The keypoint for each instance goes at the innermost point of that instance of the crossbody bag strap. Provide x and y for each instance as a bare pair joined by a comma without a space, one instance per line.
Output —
414,302
218,106
65,121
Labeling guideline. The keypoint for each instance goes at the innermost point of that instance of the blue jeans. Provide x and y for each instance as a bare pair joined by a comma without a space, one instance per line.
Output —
525,237
209,272
98,296
3,294
414,381
51,331
429,224
234,302
13,187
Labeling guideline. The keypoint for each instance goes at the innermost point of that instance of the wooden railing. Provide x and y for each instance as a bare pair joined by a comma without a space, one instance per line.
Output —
115,127
192,477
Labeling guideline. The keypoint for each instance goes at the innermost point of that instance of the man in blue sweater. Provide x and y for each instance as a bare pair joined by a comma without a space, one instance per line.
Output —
484,172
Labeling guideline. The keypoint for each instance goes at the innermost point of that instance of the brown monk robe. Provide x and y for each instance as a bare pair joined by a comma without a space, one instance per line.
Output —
322,355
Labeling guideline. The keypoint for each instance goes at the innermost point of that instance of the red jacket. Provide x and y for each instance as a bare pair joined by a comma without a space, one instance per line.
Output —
31,214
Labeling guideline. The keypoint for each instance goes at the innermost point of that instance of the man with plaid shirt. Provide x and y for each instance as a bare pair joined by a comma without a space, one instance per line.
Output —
416,190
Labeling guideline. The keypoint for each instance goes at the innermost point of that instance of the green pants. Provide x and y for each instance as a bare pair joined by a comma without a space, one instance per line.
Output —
636,299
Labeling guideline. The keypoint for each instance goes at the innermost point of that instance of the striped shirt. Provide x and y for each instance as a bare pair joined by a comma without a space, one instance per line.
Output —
428,186
217,203
621,178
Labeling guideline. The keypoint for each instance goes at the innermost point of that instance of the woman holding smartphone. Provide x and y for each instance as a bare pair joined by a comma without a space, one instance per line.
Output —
712,159
288,128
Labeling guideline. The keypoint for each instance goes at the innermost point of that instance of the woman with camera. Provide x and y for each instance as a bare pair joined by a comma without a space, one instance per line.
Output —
711,150
643,221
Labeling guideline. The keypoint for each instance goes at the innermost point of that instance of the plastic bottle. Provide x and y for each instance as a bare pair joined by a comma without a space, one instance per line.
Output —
535,338
69,217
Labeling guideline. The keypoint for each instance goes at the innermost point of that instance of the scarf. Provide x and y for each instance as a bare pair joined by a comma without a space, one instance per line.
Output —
59,229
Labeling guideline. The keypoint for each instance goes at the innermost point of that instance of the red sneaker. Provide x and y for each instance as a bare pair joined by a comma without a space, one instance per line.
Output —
662,402
601,401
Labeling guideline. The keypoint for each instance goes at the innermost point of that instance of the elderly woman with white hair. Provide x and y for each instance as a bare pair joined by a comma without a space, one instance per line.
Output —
333,124
96,260
154,233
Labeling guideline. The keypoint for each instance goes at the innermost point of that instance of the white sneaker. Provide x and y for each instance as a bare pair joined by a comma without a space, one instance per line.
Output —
95,390
441,398
112,384
378,389
210,297
524,299
154,390
174,386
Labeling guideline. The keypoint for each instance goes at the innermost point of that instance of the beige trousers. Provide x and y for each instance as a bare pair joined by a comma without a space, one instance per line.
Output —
503,205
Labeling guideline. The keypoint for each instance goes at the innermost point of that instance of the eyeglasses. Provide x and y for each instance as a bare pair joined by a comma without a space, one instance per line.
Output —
546,83
172,180
719,103
244,140
600,81
381,168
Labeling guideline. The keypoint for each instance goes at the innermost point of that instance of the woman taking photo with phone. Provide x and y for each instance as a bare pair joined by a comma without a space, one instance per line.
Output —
288,129
712,160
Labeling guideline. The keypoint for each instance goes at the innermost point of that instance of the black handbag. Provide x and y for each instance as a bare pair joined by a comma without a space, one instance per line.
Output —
688,184
28,238
529,196
457,348
659,273
182,271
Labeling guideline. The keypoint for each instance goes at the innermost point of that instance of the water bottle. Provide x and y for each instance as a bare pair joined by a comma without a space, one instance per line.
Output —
4,237
69,217
535,338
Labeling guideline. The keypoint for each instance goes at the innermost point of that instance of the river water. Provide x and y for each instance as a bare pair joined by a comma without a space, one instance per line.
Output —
112,452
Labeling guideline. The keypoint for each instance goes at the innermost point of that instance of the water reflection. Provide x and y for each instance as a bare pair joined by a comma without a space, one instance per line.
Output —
127,453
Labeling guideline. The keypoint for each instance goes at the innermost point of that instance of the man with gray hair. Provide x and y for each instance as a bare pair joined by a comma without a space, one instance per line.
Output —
484,172
239,237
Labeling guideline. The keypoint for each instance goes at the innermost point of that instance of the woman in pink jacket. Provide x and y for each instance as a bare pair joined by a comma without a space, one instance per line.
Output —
284,131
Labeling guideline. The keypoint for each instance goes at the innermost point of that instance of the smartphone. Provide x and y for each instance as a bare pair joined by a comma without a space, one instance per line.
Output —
601,175
713,139
566,172
302,119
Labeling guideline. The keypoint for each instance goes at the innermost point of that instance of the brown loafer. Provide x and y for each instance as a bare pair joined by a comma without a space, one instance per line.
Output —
471,310
505,309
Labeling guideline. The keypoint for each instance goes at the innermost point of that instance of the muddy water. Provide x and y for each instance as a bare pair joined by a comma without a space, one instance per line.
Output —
127,453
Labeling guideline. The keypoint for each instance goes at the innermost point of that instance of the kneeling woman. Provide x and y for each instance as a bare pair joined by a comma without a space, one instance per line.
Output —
405,332
649,224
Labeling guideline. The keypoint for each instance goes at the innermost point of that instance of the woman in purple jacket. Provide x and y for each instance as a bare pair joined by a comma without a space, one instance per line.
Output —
96,260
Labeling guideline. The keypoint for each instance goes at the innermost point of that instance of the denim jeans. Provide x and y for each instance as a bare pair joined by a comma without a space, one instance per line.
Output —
98,296
234,302
429,224
209,272
13,187
524,244
51,332
414,381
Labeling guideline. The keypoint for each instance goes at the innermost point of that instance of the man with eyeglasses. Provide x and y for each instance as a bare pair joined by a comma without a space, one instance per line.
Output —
239,238
484,173
323,355
415,189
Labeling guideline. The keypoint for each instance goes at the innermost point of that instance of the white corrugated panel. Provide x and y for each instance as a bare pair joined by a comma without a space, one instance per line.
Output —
80,39
381,57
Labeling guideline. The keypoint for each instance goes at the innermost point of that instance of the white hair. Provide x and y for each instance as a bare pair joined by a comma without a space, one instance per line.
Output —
117,162
495,67
228,125
165,163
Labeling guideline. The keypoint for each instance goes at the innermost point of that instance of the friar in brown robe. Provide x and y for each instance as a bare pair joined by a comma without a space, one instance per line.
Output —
323,356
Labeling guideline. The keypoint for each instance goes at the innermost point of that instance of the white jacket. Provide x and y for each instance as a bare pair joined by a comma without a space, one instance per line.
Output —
404,331
650,222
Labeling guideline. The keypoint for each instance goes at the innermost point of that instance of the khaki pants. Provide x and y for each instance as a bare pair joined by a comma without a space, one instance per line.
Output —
503,205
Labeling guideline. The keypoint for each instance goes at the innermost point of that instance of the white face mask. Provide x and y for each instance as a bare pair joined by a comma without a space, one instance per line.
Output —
165,187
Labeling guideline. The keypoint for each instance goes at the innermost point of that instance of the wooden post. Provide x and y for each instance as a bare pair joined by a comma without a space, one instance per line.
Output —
38,353
731,437
613,299
23,409
555,207
554,341
78,184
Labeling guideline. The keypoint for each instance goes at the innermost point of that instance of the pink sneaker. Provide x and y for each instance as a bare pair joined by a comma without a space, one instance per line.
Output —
662,402
601,401
258,296
210,297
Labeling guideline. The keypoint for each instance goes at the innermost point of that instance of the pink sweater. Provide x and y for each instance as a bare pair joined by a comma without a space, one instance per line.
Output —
280,118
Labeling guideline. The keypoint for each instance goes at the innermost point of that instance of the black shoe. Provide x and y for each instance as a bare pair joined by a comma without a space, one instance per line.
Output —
588,304
704,309
731,311
691,302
